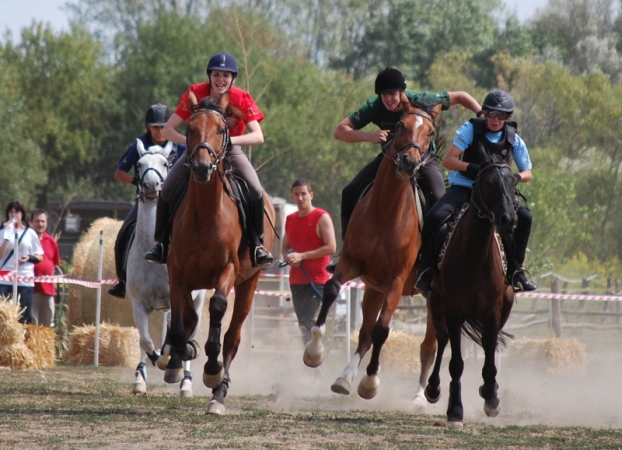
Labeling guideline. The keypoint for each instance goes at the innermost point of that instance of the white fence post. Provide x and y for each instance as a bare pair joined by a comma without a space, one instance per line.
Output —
98,302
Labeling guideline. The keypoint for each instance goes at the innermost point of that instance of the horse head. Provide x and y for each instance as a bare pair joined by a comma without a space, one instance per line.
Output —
413,134
493,193
153,165
208,138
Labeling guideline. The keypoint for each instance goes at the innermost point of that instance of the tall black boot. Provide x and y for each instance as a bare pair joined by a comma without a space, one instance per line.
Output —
158,253
260,256
120,252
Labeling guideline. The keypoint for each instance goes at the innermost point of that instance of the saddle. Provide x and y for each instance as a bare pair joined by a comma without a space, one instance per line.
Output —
238,191
444,232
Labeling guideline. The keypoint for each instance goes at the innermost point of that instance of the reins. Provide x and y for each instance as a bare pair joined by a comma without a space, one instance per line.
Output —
395,157
219,156
141,180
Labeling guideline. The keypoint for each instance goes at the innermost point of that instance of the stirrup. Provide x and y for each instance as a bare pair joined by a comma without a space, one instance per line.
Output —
424,280
262,257
520,283
156,254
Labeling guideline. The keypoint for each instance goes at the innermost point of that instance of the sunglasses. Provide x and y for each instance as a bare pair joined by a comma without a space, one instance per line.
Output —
497,115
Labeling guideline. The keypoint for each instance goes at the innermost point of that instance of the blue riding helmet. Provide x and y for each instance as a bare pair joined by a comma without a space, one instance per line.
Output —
224,62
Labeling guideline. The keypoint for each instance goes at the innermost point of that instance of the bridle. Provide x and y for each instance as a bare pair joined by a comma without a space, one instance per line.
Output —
217,157
396,157
483,211
141,180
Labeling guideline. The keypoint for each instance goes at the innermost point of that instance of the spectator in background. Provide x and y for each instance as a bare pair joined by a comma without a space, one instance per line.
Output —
43,300
307,244
29,253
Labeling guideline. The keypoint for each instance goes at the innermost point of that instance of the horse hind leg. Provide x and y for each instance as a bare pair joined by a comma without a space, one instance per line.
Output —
426,357
185,387
314,351
140,377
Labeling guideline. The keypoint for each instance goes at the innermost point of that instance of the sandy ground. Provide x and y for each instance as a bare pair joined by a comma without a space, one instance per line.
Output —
271,364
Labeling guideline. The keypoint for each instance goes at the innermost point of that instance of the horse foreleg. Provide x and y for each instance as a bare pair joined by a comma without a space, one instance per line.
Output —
314,350
141,320
455,412
185,387
489,390
426,358
217,404
433,389
140,376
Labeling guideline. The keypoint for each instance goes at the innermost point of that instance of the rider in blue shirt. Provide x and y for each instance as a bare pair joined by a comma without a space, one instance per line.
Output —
155,119
499,137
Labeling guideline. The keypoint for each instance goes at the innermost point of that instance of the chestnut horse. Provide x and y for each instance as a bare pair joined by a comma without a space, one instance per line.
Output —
209,251
380,247
470,294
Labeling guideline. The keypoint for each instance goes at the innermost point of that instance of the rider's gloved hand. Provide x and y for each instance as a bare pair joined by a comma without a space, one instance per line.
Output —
517,177
135,180
472,171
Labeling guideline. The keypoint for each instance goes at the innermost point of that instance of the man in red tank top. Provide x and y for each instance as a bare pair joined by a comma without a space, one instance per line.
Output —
307,244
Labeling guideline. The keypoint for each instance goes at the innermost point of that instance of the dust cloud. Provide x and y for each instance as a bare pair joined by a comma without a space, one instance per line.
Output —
269,363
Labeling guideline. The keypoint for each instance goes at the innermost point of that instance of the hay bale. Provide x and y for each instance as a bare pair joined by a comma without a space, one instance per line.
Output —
17,356
118,346
11,331
82,299
400,352
42,343
559,355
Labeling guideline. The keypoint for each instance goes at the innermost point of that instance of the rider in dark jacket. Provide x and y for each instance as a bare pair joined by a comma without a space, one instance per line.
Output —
498,136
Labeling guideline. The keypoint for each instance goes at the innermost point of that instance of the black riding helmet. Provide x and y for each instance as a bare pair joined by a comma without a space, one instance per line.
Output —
498,101
224,62
389,80
157,115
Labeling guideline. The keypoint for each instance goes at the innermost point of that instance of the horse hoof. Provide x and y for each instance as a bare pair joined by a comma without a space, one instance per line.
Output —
456,425
368,387
185,389
491,407
140,387
431,399
173,375
164,358
419,404
212,381
341,386
215,407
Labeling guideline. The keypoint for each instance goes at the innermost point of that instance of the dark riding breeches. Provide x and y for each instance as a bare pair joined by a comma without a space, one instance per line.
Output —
240,167
429,178
121,243
455,197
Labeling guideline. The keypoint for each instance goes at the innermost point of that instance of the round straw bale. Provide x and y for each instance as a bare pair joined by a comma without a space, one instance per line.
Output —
400,352
42,343
82,299
559,355
16,356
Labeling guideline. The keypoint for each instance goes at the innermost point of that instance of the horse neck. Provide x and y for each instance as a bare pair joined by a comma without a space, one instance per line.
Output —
388,189
206,195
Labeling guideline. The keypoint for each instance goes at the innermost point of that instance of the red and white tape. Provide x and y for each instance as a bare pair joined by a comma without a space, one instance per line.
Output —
598,298
54,279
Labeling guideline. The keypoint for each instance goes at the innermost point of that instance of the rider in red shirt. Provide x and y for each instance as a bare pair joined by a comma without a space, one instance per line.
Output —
222,69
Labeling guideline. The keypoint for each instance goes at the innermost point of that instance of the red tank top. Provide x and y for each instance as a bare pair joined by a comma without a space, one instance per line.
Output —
302,232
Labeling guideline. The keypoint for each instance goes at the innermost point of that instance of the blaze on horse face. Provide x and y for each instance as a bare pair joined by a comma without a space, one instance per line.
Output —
208,139
413,134
493,193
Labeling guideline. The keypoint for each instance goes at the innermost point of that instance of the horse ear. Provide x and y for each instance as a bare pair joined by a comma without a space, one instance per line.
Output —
166,151
436,110
192,100
140,147
484,157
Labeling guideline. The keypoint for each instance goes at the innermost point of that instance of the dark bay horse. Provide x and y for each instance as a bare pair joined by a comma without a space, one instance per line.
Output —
209,251
380,247
470,294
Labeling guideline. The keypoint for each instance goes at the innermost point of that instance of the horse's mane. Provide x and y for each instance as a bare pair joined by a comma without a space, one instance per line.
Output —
425,106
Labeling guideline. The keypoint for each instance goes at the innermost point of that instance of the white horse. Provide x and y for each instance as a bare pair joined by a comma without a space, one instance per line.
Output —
147,284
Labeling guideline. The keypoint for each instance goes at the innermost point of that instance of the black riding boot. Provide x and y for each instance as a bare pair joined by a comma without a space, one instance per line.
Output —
158,253
425,275
260,256
120,252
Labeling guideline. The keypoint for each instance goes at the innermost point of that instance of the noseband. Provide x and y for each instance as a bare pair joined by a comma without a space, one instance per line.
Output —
141,179
216,156
483,211
396,157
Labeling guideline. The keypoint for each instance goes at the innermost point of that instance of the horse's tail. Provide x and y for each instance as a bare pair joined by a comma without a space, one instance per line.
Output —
472,328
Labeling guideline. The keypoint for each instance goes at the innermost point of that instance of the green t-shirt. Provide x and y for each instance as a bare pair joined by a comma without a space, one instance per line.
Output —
373,111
